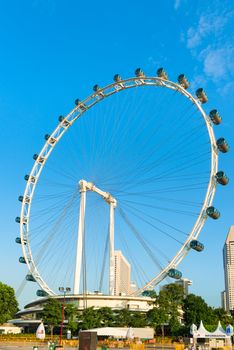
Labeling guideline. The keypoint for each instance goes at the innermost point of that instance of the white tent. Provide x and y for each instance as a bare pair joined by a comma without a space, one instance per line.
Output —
40,333
110,332
203,333
130,333
124,332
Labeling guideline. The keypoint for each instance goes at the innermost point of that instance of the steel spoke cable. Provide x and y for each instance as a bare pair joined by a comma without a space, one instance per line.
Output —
53,231
158,220
137,268
191,160
167,156
180,168
156,129
104,261
160,208
139,238
155,227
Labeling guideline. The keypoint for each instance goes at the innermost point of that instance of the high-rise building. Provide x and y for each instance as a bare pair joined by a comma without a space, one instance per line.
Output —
185,283
133,287
228,264
122,274
223,300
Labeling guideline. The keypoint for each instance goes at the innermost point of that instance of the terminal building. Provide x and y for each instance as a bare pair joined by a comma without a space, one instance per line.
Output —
30,316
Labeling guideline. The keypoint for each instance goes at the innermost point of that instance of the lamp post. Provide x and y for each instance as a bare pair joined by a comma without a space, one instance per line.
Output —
64,291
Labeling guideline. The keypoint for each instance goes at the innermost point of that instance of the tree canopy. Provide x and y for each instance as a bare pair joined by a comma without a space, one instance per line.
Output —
52,314
196,309
8,303
171,311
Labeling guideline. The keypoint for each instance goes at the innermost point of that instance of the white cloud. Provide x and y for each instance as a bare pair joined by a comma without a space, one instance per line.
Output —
209,44
226,89
208,24
218,63
177,4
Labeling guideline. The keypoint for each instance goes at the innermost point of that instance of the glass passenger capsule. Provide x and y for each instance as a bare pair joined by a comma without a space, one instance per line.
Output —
182,80
139,73
22,260
79,104
47,136
146,293
24,199
38,159
18,240
30,178
18,220
30,278
96,88
161,73
222,178
173,273
215,117
50,139
21,198
213,213
117,78
63,121
196,245
201,95
222,145
41,293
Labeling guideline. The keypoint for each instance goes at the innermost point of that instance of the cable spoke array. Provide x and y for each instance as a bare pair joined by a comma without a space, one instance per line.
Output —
146,141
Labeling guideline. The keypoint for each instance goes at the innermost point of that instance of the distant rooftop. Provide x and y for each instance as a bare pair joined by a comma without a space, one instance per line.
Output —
230,235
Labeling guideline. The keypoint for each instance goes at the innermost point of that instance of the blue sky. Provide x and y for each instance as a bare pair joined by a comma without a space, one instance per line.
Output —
55,51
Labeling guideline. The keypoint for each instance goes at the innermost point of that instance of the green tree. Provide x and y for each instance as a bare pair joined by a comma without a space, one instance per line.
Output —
89,318
106,316
221,315
196,309
8,303
122,318
71,317
170,302
52,314
137,319
156,318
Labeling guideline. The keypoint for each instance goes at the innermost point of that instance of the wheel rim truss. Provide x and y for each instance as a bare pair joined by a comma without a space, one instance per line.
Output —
65,124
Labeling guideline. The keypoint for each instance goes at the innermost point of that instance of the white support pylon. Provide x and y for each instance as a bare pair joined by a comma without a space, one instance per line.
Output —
89,186
111,250
80,237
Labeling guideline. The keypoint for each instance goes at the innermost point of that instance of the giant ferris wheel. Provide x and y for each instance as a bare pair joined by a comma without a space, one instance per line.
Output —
133,167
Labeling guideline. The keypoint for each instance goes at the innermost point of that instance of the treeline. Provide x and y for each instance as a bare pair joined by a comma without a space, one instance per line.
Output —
171,314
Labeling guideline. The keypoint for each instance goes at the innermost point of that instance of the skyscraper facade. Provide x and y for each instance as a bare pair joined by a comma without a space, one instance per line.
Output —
185,283
122,274
223,300
228,263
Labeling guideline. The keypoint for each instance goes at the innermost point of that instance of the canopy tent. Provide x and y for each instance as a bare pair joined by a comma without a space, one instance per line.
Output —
201,332
123,332
219,339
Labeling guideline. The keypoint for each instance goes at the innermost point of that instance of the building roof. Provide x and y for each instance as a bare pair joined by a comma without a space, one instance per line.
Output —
203,333
230,235
122,332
